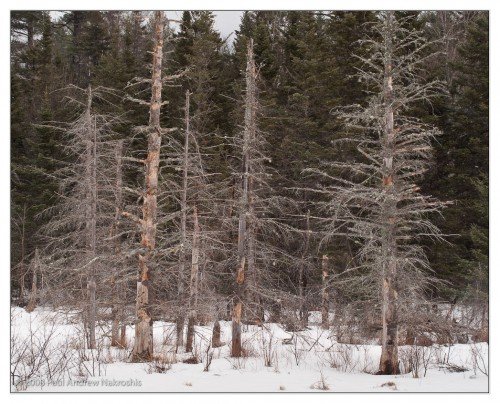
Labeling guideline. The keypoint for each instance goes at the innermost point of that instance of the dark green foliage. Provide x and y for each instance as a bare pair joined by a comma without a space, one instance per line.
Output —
461,170
307,69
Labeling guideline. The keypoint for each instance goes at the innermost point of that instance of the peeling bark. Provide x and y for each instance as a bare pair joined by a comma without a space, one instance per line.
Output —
389,356
246,232
143,345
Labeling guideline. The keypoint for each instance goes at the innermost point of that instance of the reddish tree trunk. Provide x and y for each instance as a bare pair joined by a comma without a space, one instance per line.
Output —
143,345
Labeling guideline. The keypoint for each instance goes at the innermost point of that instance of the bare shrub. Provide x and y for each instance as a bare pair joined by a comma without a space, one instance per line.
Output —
38,356
415,359
479,360
207,360
161,363
321,384
248,350
368,365
296,350
442,355
342,358
168,337
268,348
237,363
91,362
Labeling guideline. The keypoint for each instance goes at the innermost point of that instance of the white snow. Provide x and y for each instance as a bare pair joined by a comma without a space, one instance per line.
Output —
299,362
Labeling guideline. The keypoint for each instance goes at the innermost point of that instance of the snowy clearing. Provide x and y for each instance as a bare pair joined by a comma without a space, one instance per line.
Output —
303,361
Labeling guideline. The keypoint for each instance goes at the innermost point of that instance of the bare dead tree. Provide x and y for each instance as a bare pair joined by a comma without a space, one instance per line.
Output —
258,229
325,297
183,206
379,205
304,265
183,191
259,215
78,227
143,344
159,241
118,328
35,268
194,281
19,224
246,244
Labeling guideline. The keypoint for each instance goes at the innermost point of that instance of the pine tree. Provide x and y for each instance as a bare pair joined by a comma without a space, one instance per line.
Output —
462,157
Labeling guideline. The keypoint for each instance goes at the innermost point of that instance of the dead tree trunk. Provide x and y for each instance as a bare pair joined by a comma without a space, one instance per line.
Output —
143,344
193,283
182,252
256,313
245,207
303,311
91,218
22,269
117,286
33,293
389,356
325,297
216,342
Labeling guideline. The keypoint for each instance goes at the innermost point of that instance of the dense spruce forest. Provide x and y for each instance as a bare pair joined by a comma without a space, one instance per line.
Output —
331,162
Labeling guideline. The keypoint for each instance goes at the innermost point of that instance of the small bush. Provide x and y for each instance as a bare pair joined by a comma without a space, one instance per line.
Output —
320,384
161,363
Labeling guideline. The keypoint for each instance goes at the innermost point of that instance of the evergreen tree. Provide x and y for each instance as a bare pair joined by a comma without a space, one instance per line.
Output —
462,160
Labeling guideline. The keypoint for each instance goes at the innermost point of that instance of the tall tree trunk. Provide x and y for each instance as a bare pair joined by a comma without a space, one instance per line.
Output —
91,219
33,293
143,344
325,296
182,253
248,135
216,334
117,286
22,263
303,311
389,356
193,284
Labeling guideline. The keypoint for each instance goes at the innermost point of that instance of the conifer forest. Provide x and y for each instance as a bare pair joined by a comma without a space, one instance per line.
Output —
300,205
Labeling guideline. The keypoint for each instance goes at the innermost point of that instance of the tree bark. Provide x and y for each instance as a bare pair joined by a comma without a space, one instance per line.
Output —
389,355
33,293
143,344
245,207
193,284
91,219
117,286
182,252
325,297
23,257
303,311
216,334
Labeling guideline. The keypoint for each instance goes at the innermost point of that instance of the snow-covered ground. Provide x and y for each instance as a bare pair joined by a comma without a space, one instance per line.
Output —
51,344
